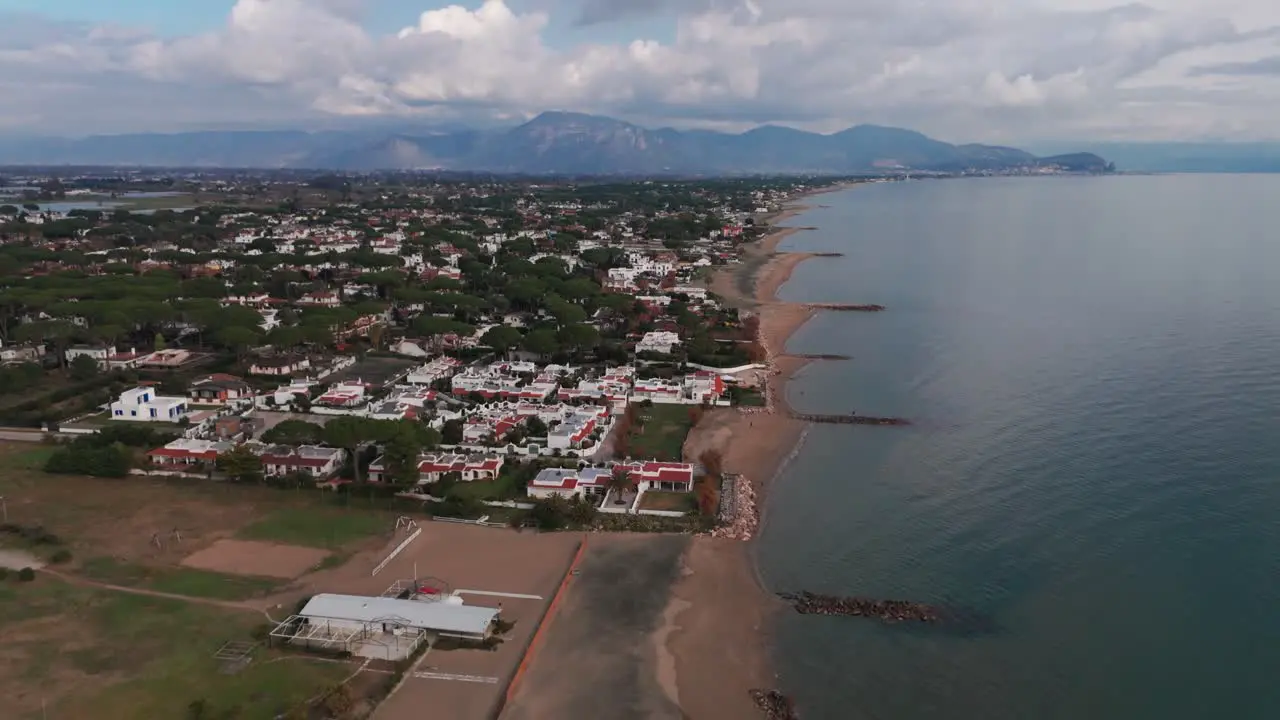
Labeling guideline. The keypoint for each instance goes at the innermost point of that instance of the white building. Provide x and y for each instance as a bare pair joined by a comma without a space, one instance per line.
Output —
98,353
439,369
385,628
572,432
143,405
658,342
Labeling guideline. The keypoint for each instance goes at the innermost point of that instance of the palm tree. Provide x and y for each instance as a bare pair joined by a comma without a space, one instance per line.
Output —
619,482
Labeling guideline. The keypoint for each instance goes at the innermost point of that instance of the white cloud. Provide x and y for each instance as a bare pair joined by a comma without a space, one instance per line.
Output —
960,69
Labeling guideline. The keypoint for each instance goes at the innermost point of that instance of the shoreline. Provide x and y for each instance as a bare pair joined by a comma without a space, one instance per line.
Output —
721,609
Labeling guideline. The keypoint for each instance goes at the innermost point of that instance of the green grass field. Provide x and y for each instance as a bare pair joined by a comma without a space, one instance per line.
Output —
177,580
320,527
32,459
676,501
503,488
661,433
115,656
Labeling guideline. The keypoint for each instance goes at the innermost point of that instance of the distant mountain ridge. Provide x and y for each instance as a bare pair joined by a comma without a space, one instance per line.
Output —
552,143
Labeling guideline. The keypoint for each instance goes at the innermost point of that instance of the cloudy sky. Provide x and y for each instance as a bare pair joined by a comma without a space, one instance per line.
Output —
962,70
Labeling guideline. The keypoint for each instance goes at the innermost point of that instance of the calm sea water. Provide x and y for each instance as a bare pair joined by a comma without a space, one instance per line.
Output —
1094,366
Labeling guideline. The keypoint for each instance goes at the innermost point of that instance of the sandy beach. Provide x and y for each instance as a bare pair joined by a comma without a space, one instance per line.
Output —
721,611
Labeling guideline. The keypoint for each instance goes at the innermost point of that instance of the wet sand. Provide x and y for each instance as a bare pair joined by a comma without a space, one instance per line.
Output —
720,609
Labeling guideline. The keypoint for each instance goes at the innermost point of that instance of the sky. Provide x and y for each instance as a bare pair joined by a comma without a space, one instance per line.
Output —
962,70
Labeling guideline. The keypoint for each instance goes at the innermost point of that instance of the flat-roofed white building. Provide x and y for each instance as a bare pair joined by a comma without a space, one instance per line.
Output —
383,627
143,405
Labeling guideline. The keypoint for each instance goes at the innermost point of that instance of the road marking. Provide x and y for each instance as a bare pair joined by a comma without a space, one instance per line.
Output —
517,596
458,678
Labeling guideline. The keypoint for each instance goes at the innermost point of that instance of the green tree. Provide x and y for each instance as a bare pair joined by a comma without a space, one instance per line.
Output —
430,325
351,434
241,465
237,338
619,481
451,432
286,337
400,457
501,338
159,342
579,337
294,432
541,342
536,427
83,368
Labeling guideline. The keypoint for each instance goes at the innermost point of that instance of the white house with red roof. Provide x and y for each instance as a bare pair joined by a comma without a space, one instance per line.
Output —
644,476
320,298
664,476
440,368
572,431
343,395
280,365
478,429
187,452
432,467
319,462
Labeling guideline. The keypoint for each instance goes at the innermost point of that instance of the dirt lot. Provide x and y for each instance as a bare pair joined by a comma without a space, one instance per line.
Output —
89,650
603,654
120,533
487,560
247,557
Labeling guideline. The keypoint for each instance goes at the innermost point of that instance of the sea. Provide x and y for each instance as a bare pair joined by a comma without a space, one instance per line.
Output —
1092,480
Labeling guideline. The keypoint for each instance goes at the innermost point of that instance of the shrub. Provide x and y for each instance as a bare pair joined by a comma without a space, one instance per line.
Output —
26,574
61,557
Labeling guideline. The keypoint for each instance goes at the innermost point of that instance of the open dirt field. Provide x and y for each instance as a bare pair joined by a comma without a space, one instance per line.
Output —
247,557
480,560
604,653
376,370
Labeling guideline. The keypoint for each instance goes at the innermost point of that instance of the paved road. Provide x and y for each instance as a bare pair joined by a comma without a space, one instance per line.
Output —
20,436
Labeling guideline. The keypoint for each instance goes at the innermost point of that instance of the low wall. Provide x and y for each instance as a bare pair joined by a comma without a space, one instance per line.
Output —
728,371
399,549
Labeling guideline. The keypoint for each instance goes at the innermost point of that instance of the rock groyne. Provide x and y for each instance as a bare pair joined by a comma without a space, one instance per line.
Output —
890,611
840,307
774,705
851,419
819,356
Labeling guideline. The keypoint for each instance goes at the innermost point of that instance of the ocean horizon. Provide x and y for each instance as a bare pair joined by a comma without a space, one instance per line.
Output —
1092,475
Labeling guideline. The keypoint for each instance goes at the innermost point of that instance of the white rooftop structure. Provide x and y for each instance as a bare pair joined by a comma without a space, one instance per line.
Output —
444,618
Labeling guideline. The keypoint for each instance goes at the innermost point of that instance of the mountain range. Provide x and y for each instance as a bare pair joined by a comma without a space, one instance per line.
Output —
552,143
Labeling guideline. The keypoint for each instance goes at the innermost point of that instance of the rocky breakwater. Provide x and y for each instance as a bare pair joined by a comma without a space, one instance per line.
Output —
891,611
852,419
740,519
774,705
839,307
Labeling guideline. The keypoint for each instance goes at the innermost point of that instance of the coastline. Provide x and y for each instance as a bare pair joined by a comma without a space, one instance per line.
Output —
720,607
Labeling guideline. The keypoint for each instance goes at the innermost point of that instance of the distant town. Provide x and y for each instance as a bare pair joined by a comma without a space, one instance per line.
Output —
246,392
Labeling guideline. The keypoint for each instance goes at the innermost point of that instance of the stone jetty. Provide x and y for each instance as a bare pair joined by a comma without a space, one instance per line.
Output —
819,356
851,419
891,611
774,705
838,307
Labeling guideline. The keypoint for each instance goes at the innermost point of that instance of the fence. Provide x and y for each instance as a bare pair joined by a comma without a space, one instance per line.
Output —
399,549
